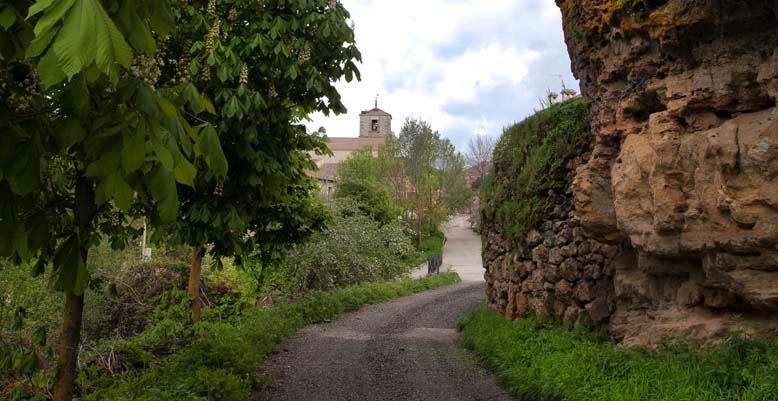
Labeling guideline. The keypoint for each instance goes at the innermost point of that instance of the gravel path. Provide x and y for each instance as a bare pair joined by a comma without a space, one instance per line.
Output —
406,349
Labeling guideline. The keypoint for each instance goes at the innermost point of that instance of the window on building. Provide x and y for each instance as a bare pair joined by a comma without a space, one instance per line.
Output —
374,126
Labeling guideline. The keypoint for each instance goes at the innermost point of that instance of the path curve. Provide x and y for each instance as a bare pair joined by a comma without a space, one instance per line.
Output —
407,349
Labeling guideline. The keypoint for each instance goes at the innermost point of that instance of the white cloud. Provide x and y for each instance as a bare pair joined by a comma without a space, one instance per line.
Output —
466,66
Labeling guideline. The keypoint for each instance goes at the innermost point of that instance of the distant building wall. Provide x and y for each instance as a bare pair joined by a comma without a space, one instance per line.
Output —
375,123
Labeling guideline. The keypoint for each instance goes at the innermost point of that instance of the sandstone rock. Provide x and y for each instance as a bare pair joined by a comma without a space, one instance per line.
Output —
598,310
673,215
718,298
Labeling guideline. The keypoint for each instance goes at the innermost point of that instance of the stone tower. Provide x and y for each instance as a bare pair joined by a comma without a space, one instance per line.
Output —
374,123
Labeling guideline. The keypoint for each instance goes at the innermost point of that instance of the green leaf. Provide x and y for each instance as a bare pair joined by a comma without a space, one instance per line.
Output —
110,43
38,231
75,44
39,336
123,194
185,172
40,43
168,108
162,185
24,171
89,35
164,156
49,70
7,17
52,16
232,108
113,186
71,133
71,272
39,6
212,149
134,149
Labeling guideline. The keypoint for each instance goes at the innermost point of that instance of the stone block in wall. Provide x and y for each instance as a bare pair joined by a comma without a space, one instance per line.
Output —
534,238
564,288
555,256
540,254
570,269
569,250
598,310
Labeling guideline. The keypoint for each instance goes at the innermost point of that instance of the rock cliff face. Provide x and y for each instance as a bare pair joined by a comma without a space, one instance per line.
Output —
683,176
684,172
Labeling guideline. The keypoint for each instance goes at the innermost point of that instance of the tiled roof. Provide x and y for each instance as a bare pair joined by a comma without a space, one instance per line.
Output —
352,144
375,112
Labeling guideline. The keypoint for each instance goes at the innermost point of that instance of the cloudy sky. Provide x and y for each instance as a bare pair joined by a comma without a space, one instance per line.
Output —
467,66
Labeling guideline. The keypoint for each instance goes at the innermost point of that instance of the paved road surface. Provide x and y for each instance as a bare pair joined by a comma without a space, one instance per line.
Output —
406,349
462,252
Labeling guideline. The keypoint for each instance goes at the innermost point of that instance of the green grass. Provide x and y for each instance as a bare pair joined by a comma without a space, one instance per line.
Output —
223,359
538,362
531,167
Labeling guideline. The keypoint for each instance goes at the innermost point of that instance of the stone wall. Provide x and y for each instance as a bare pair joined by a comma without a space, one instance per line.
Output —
554,270
670,226
560,274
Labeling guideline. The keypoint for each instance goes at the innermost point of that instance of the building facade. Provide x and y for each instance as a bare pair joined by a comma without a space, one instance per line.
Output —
374,126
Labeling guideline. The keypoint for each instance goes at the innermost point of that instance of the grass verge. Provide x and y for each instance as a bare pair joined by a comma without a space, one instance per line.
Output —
222,360
537,362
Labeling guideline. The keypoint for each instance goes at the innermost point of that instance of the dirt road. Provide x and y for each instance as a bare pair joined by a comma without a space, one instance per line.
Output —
401,350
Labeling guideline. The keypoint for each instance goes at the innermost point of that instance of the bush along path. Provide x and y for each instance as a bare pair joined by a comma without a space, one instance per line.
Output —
222,361
406,349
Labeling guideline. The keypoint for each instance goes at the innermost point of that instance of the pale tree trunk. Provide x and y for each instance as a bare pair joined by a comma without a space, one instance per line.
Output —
418,220
67,354
194,281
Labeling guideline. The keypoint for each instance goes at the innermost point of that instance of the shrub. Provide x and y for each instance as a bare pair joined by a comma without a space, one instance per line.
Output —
354,249
372,198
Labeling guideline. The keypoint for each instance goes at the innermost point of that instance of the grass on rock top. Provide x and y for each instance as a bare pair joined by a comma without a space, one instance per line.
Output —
222,361
530,167
544,362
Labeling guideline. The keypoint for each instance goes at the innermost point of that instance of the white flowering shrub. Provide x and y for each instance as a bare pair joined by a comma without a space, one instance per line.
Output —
354,249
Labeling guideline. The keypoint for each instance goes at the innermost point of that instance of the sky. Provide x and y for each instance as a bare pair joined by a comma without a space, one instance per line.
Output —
468,67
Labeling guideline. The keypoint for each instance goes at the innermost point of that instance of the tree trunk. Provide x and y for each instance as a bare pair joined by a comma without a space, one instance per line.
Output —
194,281
67,355
418,226
65,382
